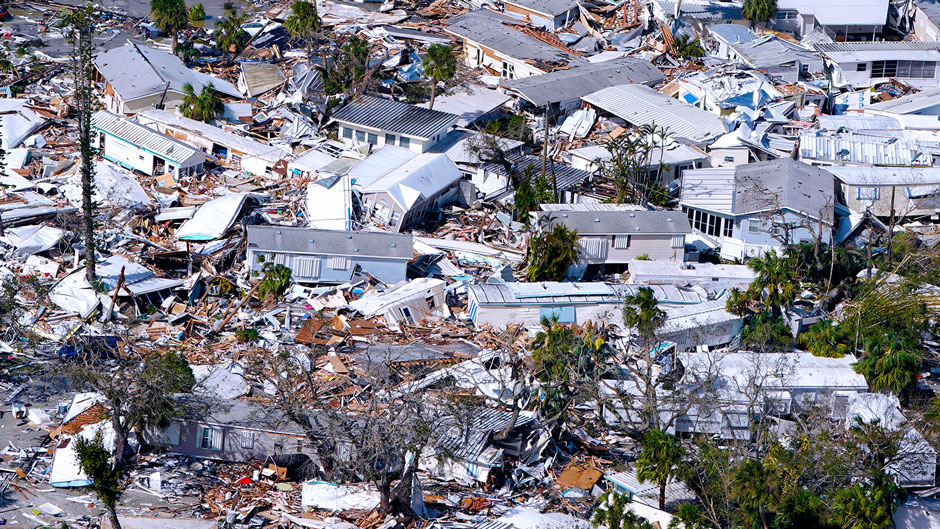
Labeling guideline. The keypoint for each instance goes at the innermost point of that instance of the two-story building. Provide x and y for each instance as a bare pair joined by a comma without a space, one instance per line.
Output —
753,208
329,256
608,240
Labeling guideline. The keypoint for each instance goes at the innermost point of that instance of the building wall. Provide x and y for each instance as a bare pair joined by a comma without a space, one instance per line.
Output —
387,270
924,28
264,443
730,157
847,73
384,209
351,134
477,55
878,199
126,154
656,247
529,316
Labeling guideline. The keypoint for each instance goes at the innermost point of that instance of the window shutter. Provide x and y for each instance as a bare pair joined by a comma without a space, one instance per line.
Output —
678,241
621,242
281,259
306,267
593,248
339,263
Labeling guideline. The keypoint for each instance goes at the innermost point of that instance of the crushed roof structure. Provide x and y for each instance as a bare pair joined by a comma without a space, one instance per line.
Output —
551,8
499,33
234,141
256,78
418,178
470,104
402,118
18,121
703,9
137,71
641,105
867,149
578,81
926,102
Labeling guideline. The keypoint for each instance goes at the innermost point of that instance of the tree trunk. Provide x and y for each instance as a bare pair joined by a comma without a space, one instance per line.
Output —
113,518
176,41
384,494
120,440
662,495
433,93
763,517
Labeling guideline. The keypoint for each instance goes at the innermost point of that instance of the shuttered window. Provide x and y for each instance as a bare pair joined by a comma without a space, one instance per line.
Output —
306,267
678,241
621,242
210,438
281,259
339,263
593,248
248,439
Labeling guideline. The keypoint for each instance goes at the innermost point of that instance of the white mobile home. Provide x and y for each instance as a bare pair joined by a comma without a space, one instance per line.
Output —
143,149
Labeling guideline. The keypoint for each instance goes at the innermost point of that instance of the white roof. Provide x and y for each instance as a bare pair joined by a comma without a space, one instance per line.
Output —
311,160
840,12
653,270
675,153
421,177
379,164
231,140
145,138
710,188
861,148
213,218
18,122
641,105
886,176
778,371
469,103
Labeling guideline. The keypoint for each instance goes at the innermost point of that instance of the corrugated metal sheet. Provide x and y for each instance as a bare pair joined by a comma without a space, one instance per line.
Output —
857,148
711,189
388,115
575,293
641,105
143,137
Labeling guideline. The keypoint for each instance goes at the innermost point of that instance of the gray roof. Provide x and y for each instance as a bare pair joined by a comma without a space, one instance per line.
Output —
732,32
496,32
619,222
469,442
144,137
402,118
579,81
774,51
785,183
565,176
547,7
931,8
138,71
260,77
330,242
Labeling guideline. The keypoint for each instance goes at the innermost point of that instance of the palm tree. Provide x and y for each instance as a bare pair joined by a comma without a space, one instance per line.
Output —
170,16
641,312
303,22
204,106
867,506
230,33
551,252
775,280
738,302
439,65
613,512
750,487
687,46
888,365
659,460
825,339
759,10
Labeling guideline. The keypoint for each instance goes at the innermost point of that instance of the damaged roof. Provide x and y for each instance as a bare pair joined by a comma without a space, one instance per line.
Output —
387,115
562,85
496,31
143,137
